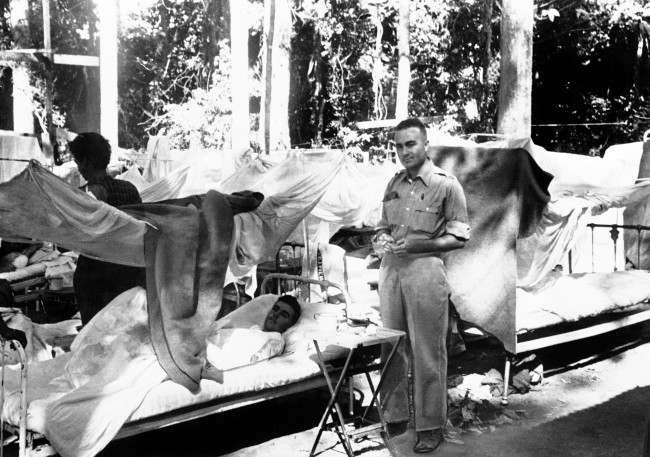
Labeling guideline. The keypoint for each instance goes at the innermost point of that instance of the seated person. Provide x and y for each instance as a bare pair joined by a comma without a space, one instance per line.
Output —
232,347
7,301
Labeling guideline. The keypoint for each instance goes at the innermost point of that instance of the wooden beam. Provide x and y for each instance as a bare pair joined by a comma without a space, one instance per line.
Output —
77,60
390,123
37,56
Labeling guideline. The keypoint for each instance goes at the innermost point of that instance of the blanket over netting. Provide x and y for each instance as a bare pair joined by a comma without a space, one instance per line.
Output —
186,249
506,192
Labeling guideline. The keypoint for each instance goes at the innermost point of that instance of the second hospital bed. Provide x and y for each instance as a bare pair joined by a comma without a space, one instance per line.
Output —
169,403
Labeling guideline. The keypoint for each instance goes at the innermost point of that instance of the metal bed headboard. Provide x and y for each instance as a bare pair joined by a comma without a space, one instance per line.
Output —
323,283
22,427
614,233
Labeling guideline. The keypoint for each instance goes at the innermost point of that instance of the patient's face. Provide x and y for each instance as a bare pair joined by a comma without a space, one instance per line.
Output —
279,318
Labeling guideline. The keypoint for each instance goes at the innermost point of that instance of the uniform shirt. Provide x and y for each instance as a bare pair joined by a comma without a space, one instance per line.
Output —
115,192
426,207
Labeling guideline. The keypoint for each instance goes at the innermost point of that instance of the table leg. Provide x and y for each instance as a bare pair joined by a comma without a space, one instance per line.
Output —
334,391
375,392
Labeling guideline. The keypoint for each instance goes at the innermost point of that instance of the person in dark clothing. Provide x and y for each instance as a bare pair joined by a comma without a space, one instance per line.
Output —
7,301
96,282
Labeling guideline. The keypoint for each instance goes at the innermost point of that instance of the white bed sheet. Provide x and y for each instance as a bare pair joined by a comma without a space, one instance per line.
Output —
168,396
577,296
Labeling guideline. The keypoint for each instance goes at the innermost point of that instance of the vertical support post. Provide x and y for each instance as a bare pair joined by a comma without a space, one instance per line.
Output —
239,75
305,236
593,269
47,34
404,62
638,247
614,235
48,128
570,261
23,106
506,382
108,22
345,272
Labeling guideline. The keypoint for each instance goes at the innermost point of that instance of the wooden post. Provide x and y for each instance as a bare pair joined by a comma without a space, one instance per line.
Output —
108,14
48,128
404,64
377,65
269,33
47,34
23,109
239,75
515,87
275,99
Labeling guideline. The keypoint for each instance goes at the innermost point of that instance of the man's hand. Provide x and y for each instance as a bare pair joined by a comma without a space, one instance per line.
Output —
400,248
381,244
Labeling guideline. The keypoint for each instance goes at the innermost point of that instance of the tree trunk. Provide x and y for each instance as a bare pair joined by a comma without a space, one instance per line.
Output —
239,75
516,82
275,98
404,65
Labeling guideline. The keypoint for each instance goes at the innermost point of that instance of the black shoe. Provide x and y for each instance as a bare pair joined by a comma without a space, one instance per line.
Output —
396,428
428,441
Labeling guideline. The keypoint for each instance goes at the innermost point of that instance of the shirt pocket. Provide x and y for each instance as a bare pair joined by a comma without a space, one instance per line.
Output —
427,217
391,209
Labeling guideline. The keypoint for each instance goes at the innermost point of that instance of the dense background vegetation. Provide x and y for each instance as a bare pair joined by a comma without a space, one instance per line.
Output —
590,65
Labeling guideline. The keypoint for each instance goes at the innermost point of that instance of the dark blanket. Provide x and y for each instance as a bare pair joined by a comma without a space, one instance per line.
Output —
506,192
186,261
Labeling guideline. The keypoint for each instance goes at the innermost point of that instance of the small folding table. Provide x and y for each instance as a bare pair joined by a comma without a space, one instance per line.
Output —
355,343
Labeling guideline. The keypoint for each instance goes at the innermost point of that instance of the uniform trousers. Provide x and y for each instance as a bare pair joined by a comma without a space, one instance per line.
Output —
414,297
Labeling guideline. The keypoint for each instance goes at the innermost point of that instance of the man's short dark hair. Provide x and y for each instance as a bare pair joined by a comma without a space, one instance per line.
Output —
93,147
295,305
411,122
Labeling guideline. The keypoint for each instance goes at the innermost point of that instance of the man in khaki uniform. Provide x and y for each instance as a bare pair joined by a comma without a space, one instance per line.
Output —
424,214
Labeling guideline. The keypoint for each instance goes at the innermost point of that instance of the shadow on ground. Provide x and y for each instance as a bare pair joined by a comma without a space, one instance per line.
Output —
226,432
614,428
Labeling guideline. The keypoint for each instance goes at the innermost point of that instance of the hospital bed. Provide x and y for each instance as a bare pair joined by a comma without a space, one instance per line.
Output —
169,403
582,305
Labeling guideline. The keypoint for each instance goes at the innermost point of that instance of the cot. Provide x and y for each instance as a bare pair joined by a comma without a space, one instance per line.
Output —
582,305
169,403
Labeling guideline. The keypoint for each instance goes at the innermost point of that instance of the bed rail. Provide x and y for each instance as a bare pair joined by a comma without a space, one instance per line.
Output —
22,427
323,283
614,231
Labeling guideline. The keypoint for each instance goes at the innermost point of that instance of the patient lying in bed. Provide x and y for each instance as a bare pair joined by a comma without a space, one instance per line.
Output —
119,334
238,345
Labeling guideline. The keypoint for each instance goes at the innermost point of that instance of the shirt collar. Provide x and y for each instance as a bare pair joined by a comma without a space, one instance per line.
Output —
426,173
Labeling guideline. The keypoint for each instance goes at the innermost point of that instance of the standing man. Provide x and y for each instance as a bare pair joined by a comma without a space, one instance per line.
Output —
424,214
96,282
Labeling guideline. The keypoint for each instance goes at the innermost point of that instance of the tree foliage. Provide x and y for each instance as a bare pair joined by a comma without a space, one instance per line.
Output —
590,65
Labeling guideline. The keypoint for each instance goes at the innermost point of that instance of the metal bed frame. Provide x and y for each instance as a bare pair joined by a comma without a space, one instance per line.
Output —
26,438
615,322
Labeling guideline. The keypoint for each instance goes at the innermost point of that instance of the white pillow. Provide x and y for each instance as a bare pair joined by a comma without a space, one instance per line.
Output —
252,313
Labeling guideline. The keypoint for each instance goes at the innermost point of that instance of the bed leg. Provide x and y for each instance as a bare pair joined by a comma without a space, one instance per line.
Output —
506,380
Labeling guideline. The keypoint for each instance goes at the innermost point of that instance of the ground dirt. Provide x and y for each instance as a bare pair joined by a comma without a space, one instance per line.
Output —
594,401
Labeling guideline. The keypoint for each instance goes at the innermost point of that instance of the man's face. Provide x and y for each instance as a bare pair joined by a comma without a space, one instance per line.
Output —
280,317
411,146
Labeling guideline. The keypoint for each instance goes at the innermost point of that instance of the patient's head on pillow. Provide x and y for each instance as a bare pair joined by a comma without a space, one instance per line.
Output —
282,315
